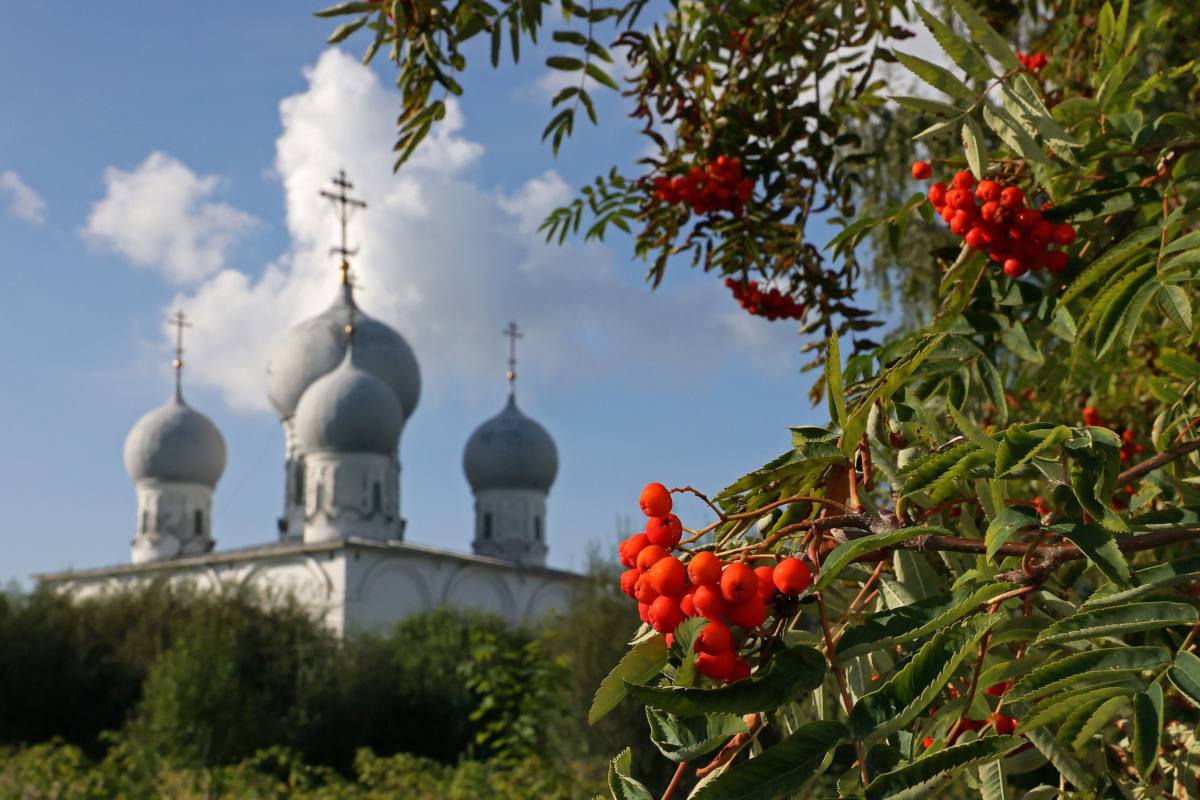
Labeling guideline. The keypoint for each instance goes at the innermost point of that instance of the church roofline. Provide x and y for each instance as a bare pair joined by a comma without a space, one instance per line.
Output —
277,549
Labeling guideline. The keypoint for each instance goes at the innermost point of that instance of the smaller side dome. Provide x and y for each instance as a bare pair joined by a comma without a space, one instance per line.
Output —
349,410
510,451
174,442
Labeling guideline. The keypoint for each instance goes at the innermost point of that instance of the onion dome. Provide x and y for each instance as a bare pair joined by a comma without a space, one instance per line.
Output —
510,451
316,346
349,410
176,443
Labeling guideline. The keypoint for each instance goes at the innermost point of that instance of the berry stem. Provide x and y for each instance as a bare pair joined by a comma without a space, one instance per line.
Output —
840,675
678,776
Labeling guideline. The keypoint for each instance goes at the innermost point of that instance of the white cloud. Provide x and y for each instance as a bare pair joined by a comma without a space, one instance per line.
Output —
160,216
448,263
23,202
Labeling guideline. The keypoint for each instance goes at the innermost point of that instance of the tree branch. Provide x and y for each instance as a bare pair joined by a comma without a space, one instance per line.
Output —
1154,462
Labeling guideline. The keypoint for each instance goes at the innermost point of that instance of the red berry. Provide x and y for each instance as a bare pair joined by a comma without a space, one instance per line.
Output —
997,689
668,577
630,548
714,638
665,615
644,611
963,200
792,576
741,670
1004,724
1091,417
655,500
921,170
766,589
748,614
664,531
1056,260
1028,217
1064,234
947,212
704,568
687,602
928,743
644,591
937,194
1012,198
1015,268
962,222
963,180
717,666
738,583
629,579
649,556
1043,229
988,191
709,601
989,210
975,238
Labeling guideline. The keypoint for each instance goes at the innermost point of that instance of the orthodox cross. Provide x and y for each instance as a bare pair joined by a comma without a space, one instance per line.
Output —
180,322
344,204
513,334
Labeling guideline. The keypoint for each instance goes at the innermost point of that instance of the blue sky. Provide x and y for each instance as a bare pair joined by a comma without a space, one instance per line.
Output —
176,150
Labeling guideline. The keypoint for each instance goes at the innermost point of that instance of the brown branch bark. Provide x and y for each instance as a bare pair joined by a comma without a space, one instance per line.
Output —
1154,462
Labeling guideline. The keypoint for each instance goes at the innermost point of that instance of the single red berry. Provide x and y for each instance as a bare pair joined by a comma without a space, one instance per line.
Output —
963,180
1043,229
962,222
644,611
714,638
947,212
766,589
1003,723
1064,234
668,577
687,602
655,500
704,568
1028,217
937,194
921,170
748,614
629,578
975,238
964,200
1012,198
664,531
1092,417
630,548
670,639
1015,268
644,591
928,743
988,191
792,576
717,666
709,601
1056,260
738,583
989,210
741,670
665,615
650,555
997,689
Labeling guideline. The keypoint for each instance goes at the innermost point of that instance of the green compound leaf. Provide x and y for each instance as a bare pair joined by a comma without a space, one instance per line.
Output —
622,786
846,552
639,665
910,690
779,770
792,673
1009,521
1118,621
1147,729
915,780
1116,663
1185,675
686,738
1147,581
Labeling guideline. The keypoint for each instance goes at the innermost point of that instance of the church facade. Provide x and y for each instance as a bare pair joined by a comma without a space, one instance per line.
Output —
344,386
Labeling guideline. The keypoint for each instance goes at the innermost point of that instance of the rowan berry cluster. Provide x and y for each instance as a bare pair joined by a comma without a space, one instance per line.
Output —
993,216
1034,62
730,595
1129,444
1002,723
717,186
771,303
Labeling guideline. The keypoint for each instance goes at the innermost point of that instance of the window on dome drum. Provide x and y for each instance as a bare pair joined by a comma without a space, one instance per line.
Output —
537,528
145,521
487,526
299,498
199,523
376,497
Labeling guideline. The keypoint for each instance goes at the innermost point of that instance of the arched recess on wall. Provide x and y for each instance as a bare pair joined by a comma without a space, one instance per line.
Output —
550,596
390,590
482,590
301,576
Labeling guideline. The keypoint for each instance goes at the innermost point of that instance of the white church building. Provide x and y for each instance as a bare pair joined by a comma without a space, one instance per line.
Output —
344,386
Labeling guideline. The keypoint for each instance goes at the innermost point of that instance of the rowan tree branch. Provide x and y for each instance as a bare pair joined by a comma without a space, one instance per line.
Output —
1154,462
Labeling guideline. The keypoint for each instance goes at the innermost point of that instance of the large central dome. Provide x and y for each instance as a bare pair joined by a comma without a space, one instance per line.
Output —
316,346
175,443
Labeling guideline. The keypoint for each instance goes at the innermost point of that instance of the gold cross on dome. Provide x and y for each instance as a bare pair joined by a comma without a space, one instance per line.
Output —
513,334
180,322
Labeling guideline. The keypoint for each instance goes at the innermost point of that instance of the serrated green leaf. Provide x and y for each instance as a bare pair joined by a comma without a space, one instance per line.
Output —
1017,341
686,738
1131,246
833,382
975,146
1063,761
922,473
846,552
1185,675
992,785
622,786
1088,720
347,8
791,673
1179,364
1118,621
963,53
1147,729
1147,581
914,574
1099,547
911,689
915,778
1001,529
780,769
1173,301
1078,668
639,665
1060,707
992,43
344,30
1021,445
938,77
1014,135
